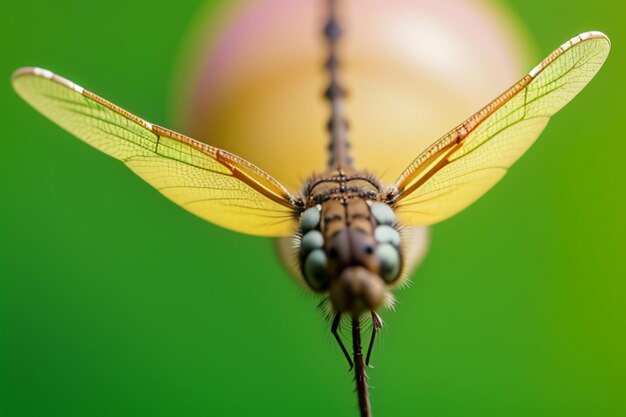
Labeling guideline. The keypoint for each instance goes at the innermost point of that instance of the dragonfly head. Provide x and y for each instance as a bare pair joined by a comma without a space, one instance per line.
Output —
351,250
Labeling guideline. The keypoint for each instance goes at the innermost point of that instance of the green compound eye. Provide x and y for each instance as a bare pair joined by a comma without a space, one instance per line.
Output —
382,213
316,269
312,240
389,259
387,234
310,218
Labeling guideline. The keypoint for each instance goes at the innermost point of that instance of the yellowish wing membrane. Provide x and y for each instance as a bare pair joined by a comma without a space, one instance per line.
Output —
464,164
209,182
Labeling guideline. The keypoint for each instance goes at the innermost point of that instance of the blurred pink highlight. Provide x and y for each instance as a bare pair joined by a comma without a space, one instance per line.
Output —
414,69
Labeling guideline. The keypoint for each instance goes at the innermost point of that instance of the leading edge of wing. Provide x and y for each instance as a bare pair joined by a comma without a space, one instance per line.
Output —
241,170
414,176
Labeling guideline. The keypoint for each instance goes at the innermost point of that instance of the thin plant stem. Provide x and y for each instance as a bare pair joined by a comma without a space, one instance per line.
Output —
359,370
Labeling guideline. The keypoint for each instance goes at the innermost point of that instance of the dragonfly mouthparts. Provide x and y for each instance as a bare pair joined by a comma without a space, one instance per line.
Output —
357,290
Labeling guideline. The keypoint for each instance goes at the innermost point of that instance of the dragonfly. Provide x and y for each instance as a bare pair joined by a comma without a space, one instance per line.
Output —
351,235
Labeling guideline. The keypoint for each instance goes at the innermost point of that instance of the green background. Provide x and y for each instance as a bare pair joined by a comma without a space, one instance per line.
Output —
115,302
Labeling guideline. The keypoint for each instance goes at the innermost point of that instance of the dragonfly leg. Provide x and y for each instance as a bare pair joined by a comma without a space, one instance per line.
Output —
335,333
377,324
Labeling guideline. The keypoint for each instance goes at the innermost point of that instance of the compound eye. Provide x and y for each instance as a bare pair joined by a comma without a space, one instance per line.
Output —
311,240
316,269
314,260
382,213
387,251
387,234
310,218
389,259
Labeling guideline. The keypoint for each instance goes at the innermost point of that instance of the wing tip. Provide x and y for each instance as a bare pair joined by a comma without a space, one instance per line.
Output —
582,37
47,74
586,36
594,34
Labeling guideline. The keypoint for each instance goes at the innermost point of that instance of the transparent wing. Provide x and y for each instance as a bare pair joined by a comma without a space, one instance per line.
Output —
209,182
461,166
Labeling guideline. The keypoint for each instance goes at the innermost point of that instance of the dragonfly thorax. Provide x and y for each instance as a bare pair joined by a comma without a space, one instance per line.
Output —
349,244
